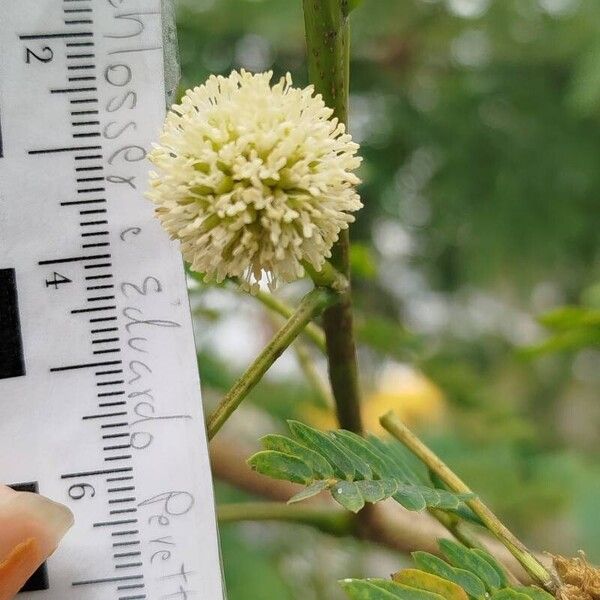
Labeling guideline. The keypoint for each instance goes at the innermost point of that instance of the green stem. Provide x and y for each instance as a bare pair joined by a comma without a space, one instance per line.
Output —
530,563
312,304
309,368
311,331
329,520
327,41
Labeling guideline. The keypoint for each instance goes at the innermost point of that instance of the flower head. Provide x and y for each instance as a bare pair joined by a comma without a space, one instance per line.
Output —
254,180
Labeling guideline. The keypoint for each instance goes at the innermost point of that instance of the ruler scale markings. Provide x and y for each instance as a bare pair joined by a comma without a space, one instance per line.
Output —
99,265
74,90
128,532
64,34
84,474
86,365
107,580
75,202
93,309
66,149
104,415
113,523
73,259
122,544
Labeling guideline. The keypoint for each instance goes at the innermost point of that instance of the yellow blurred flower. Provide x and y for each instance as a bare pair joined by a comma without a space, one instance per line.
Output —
414,397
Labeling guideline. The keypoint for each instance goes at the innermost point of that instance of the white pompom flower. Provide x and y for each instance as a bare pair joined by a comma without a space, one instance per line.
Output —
254,180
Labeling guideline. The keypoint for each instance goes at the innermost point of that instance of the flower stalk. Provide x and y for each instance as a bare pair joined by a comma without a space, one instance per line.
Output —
311,305
327,40
392,423
311,331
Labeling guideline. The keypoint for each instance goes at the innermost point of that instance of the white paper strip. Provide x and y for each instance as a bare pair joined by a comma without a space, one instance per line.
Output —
107,417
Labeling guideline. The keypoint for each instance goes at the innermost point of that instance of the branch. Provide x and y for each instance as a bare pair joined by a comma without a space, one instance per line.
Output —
530,563
327,519
311,305
327,40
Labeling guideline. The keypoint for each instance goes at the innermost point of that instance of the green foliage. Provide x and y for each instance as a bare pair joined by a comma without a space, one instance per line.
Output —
571,328
461,557
363,262
353,469
431,583
352,4
436,566
469,573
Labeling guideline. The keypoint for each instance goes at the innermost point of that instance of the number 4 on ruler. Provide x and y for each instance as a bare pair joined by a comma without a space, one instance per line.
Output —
56,280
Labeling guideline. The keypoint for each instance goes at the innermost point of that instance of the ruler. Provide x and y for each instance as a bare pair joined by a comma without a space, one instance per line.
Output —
100,402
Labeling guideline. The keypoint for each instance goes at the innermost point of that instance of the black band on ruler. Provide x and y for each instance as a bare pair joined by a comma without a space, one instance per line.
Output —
12,362
39,580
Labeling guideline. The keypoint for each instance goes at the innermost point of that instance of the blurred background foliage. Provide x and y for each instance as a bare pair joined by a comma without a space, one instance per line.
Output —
475,262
